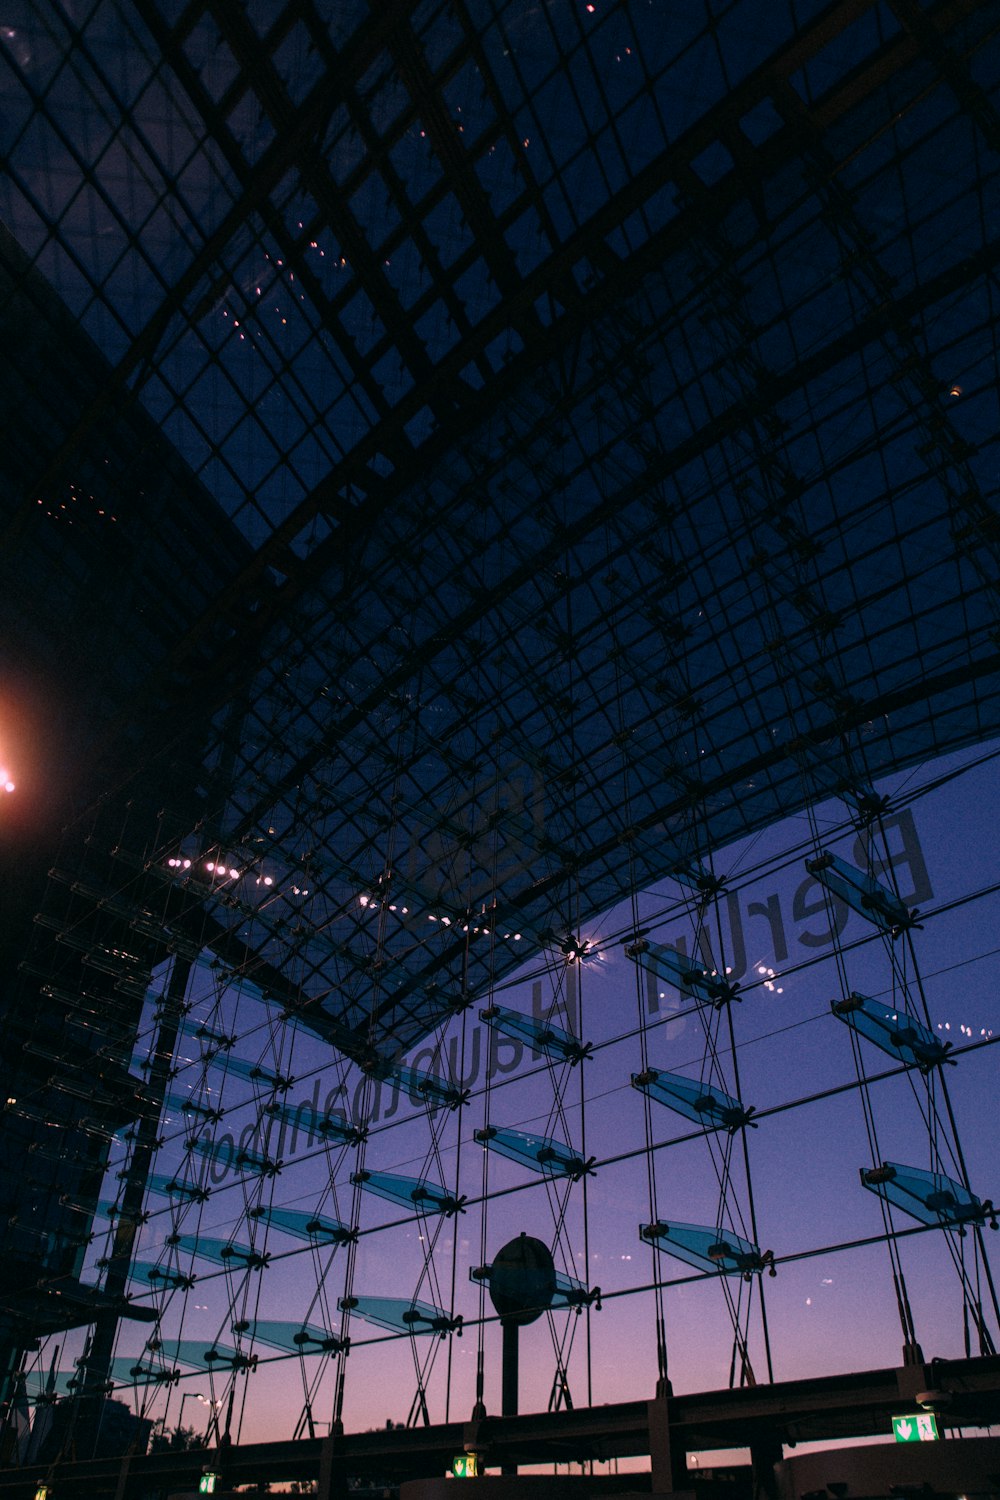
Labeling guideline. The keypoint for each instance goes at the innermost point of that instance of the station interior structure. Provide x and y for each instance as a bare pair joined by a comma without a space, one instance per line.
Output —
469,464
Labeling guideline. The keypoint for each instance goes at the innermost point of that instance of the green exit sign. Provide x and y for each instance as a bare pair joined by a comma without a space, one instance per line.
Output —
916,1427
206,1484
465,1466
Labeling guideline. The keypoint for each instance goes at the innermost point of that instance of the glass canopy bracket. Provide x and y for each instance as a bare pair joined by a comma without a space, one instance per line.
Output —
157,1277
402,1316
175,1187
420,1085
553,1041
710,1249
930,1197
677,969
222,1252
295,1338
863,894
705,1106
231,1359
536,1151
893,1031
410,1192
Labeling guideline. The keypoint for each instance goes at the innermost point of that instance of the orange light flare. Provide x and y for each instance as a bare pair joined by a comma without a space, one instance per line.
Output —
43,741
22,740
12,746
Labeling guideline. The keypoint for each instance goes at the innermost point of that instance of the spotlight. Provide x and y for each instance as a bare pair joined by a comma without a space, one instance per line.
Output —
934,1400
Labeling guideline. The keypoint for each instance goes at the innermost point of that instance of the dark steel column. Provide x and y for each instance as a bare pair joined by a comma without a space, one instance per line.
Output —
98,1366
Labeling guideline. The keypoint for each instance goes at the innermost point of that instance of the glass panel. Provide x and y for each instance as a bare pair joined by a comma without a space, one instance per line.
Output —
256,1073
427,1087
696,1101
535,1151
542,1035
930,1197
401,1315
708,1249
156,1277
677,969
305,1226
177,1187
299,1338
409,1192
223,1252
861,892
892,1030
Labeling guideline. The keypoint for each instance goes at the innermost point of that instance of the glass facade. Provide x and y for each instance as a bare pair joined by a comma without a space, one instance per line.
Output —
470,463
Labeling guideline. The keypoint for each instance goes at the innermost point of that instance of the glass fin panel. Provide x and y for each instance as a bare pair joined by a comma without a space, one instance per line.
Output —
861,892
299,1338
410,1192
127,1371
223,1252
246,1161
893,1031
201,1031
187,1105
255,1073
401,1315
432,1090
535,1151
572,1293
707,1106
195,1354
302,1117
157,1276
177,1187
707,1248
305,1226
930,1197
677,969
541,1035
694,875
41,1385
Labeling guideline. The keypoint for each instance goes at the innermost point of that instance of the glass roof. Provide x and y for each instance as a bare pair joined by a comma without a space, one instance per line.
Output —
606,402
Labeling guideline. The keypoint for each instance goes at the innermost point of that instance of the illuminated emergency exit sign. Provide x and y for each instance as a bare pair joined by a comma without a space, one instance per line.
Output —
916,1427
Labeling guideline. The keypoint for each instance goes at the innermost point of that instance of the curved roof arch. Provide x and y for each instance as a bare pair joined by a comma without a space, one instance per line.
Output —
608,410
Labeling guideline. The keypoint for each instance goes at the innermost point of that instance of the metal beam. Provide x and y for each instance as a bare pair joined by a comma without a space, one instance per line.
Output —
828,1409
